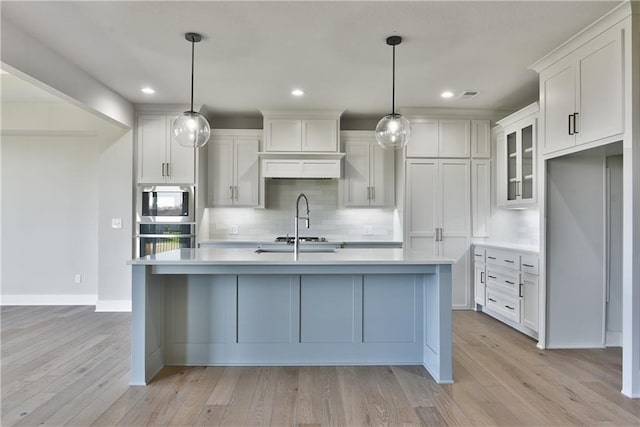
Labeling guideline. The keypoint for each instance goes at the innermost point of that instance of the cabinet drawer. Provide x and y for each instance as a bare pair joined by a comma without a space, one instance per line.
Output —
529,264
506,282
478,254
503,259
505,305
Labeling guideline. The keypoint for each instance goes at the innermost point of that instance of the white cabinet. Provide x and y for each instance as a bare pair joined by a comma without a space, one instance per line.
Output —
480,197
480,139
368,171
439,138
160,158
479,277
582,94
437,216
508,282
516,167
293,132
233,176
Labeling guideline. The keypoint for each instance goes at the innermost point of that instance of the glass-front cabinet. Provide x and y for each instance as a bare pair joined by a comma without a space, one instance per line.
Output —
516,161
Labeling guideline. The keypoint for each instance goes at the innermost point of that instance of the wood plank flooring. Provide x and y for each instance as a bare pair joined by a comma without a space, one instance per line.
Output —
70,366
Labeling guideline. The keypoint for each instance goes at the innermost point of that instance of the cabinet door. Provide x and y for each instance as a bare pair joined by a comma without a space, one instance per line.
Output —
152,142
356,172
600,88
181,160
320,135
454,138
220,173
529,292
479,283
283,134
480,197
454,178
381,175
421,203
246,172
424,139
480,139
557,87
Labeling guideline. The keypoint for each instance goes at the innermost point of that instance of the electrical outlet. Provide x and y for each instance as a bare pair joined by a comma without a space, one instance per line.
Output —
368,230
78,278
116,222
233,229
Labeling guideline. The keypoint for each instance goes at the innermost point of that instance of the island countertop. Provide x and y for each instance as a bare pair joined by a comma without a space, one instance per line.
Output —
248,256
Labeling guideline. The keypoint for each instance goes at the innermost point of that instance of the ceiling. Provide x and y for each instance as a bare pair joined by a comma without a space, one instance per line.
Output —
254,53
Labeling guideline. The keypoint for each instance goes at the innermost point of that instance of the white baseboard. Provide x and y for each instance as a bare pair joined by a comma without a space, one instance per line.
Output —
78,299
110,305
613,339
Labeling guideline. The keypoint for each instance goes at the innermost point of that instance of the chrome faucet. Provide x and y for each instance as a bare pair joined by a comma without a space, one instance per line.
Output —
296,237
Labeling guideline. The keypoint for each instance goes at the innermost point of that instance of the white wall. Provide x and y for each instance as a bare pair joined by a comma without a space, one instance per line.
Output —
614,305
49,220
328,219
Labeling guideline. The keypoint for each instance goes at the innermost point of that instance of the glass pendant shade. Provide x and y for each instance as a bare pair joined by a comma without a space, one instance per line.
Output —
191,129
393,131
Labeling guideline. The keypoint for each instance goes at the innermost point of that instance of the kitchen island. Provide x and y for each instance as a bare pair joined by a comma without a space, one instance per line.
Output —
226,307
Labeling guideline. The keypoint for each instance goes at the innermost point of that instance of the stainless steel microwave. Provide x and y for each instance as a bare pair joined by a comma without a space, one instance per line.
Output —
164,203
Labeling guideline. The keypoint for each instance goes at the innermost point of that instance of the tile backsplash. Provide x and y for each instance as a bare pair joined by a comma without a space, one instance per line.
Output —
328,218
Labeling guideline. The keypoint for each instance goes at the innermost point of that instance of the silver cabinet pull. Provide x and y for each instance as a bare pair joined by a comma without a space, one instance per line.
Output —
168,170
163,169
492,300
509,261
575,123
509,282
510,308
231,192
235,192
478,254
520,291
482,277
491,277
528,265
373,193
491,257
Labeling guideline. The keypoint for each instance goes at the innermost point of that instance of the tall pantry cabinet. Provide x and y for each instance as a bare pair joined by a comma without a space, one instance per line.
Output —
438,186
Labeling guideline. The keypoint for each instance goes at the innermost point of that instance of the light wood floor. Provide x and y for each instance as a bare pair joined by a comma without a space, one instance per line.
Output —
70,366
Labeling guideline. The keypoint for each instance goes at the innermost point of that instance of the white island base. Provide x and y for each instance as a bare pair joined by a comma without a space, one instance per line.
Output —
210,307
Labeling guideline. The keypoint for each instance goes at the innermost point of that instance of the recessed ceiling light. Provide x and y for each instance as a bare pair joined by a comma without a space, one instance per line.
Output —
447,94
148,90
297,92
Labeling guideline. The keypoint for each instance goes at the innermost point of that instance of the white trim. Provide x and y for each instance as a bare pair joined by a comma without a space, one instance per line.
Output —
613,339
113,305
524,113
72,299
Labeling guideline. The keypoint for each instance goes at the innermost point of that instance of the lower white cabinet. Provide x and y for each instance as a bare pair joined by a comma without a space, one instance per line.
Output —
506,286
438,216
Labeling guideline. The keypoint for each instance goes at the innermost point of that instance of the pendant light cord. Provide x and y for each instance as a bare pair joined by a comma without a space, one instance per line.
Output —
393,83
192,60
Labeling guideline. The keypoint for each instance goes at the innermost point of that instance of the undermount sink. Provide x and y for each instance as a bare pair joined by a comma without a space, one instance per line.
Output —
289,249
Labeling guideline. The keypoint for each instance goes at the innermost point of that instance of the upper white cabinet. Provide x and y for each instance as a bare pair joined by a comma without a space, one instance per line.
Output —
439,138
233,175
368,171
160,158
481,139
308,132
437,216
517,159
582,94
480,197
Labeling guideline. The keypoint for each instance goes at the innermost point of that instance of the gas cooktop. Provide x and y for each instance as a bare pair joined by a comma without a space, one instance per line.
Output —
289,239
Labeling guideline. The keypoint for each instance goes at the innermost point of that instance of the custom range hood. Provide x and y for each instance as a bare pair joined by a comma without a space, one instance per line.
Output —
301,144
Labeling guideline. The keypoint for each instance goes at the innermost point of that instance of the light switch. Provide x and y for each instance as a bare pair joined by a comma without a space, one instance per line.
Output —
368,230
233,229
116,222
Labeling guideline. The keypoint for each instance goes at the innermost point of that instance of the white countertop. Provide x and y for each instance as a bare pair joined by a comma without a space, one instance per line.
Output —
248,256
509,246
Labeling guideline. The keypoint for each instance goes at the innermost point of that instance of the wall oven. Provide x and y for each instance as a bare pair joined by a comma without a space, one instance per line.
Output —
165,219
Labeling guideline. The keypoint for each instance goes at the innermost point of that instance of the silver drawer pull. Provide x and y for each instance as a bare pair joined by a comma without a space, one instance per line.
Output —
492,277
509,261
528,265
511,283
491,257
492,300
477,254
510,308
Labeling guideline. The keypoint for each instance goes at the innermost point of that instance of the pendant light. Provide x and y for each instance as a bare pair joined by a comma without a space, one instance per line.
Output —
393,130
191,129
